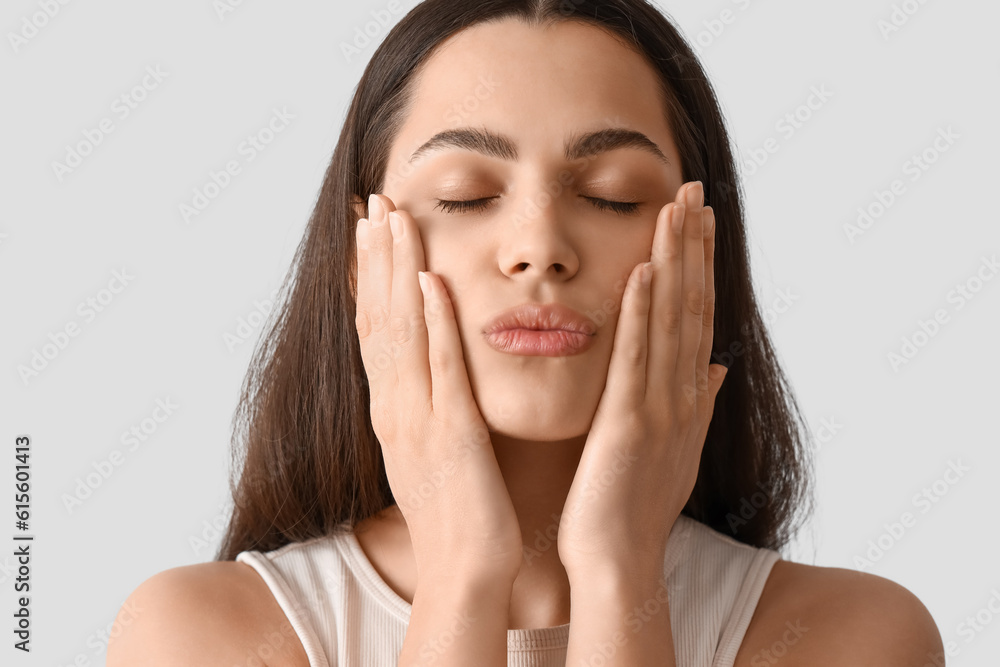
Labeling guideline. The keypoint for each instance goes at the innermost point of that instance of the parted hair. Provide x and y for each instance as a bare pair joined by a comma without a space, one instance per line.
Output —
305,461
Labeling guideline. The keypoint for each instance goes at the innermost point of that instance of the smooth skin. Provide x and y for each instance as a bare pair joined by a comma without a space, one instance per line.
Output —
655,411
464,532
545,235
657,403
550,426
653,415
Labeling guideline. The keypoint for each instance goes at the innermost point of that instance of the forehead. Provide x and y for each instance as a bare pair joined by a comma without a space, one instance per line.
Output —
535,83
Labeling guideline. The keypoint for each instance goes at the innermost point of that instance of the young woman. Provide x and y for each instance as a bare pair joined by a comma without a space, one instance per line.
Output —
524,411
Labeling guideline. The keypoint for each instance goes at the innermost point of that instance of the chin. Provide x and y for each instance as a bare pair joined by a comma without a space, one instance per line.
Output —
528,416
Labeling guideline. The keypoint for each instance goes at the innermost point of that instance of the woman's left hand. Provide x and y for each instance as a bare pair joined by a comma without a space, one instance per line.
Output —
641,459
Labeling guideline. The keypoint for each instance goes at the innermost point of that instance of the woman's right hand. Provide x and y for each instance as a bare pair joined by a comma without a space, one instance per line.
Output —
438,456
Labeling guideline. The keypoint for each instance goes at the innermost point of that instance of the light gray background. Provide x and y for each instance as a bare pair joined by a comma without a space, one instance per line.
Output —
846,306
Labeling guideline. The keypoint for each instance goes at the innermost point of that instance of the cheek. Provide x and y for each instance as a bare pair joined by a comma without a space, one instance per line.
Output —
615,256
452,252
462,277
610,284
607,305
436,243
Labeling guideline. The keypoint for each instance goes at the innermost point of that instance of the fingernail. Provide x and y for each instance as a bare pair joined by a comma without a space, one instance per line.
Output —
396,225
376,213
646,274
425,286
677,218
696,193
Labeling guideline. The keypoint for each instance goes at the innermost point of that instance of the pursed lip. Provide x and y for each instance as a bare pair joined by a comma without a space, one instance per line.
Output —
541,317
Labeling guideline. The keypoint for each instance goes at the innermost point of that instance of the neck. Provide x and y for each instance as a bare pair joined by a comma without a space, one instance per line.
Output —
538,477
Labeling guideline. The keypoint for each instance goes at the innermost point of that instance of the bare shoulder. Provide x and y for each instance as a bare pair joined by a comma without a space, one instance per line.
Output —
811,615
205,614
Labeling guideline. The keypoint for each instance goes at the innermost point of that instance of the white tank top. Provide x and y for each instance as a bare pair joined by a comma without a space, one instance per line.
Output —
345,614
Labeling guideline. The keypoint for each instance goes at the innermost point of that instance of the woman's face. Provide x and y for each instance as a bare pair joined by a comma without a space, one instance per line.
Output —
539,239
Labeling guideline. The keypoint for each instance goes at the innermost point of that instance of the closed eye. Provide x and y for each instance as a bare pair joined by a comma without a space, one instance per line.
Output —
620,207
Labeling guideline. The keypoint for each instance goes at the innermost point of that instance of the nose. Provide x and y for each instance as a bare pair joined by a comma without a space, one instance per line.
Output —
536,242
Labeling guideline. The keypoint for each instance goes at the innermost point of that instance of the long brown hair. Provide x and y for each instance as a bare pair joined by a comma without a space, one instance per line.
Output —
303,445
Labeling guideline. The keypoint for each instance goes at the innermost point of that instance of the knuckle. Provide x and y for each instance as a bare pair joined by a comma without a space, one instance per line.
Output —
633,354
672,322
363,324
439,362
689,396
695,300
379,316
383,360
435,312
401,330
701,381
708,316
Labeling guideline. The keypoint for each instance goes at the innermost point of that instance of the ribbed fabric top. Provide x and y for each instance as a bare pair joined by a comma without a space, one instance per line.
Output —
345,614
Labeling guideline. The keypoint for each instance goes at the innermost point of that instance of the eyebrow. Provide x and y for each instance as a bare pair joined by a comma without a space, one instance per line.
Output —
581,145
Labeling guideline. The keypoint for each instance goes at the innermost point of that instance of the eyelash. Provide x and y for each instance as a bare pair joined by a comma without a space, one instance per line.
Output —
620,207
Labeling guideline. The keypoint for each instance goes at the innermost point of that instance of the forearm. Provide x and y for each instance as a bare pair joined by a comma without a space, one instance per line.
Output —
619,618
458,622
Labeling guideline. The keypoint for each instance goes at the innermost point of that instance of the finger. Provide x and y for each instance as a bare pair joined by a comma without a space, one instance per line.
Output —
692,299
379,263
450,388
716,376
363,300
407,327
665,300
683,193
692,295
627,370
708,315
360,255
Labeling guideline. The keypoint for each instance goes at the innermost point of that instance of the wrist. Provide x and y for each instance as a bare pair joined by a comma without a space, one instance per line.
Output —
627,611
457,618
634,566
459,584
618,579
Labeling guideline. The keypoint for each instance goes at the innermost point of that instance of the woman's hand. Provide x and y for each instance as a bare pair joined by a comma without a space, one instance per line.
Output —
640,462
438,455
